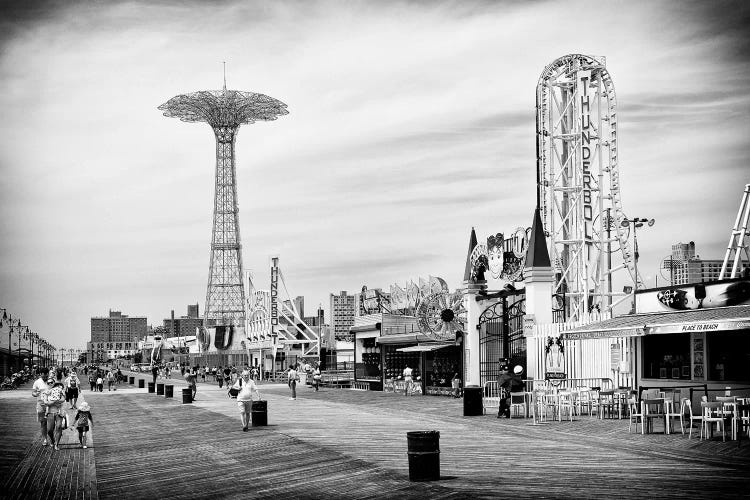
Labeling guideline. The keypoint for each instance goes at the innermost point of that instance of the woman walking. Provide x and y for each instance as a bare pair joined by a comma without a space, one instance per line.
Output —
292,379
53,399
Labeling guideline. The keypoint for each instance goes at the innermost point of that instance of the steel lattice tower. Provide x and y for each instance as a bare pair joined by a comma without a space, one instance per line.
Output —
225,110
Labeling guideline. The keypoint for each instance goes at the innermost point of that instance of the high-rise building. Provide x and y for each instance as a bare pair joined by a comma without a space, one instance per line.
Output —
117,327
184,325
688,267
317,320
115,335
342,314
298,304
192,311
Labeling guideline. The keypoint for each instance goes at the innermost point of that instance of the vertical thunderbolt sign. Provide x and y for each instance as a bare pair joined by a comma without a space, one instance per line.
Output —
274,296
584,78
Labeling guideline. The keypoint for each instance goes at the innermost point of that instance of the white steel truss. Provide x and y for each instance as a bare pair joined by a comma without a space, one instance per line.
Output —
739,241
265,327
578,183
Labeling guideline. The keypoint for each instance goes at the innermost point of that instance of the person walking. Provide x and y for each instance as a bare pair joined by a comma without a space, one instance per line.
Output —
99,383
246,387
191,377
227,375
53,399
456,385
71,389
110,380
407,380
316,377
92,381
220,377
292,379
82,421
40,385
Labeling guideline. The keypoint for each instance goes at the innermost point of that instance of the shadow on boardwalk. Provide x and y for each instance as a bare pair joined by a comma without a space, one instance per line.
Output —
348,444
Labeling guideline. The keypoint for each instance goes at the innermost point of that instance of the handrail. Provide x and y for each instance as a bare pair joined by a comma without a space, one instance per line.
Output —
570,383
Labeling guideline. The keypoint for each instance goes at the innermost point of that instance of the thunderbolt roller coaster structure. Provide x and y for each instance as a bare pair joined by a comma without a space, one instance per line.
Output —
579,184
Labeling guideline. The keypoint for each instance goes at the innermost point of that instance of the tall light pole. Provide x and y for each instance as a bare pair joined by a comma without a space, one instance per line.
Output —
637,222
19,328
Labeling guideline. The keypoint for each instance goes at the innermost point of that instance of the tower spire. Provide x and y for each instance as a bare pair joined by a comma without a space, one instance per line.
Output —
225,75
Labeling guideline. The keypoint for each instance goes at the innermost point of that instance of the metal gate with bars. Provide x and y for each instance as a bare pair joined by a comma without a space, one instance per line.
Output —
501,336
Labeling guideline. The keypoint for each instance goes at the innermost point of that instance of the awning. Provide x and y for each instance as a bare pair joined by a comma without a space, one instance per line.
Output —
424,347
636,325
370,334
408,338
365,328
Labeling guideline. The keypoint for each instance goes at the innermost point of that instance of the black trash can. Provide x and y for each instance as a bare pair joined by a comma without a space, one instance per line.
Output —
473,401
150,387
141,383
168,391
132,380
187,396
159,389
424,455
259,413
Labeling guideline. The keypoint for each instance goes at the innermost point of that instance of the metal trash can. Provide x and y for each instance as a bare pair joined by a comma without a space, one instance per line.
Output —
151,388
168,391
259,413
159,389
132,380
141,383
473,401
424,455
187,396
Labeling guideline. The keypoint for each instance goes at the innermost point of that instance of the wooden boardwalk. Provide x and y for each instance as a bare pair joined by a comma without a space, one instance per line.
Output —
339,443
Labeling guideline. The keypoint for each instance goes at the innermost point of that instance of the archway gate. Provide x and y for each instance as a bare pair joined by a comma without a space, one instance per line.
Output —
501,334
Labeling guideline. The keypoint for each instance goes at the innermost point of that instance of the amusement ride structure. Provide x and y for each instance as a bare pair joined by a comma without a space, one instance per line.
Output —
579,184
274,323
738,248
225,110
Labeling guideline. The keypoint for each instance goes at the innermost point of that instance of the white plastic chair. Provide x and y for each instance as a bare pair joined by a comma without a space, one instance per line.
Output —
713,413
635,412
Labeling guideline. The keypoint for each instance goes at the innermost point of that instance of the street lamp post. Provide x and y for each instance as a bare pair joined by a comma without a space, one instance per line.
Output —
19,328
636,222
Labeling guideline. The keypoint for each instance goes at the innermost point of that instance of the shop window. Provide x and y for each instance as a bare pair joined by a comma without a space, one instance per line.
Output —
666,356
728,355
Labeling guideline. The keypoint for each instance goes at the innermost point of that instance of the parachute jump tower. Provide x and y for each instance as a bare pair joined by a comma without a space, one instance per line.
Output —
578,184
225,110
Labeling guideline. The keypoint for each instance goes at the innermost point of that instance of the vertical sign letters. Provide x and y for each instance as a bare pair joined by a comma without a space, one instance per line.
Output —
274,299
584,79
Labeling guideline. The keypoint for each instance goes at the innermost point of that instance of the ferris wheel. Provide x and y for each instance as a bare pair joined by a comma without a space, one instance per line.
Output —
579,183
441,314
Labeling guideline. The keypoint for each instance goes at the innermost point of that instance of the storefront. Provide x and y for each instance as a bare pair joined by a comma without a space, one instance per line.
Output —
385,344
436,364
687,335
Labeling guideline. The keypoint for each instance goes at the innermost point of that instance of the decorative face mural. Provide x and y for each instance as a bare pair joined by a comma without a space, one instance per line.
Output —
495,254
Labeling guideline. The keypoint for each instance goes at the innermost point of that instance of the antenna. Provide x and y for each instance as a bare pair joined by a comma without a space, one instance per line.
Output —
225,75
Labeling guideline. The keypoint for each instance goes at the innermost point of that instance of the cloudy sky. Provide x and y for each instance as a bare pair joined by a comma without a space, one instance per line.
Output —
410,122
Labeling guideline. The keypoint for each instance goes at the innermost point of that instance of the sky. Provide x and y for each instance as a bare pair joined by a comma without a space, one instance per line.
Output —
409,123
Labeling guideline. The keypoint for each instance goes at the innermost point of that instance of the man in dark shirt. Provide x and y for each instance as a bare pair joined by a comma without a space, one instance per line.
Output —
510,383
